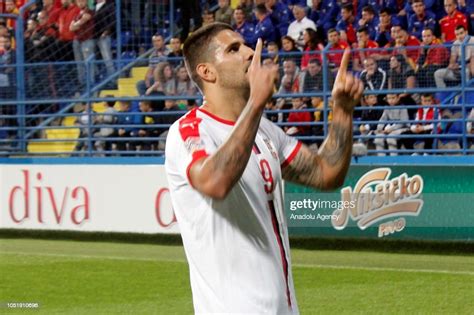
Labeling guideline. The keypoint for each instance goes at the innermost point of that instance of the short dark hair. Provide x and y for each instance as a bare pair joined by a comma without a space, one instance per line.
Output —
332,30
427,95
363,29
261,9
315,61
384,10
460,27
197,48
368,9
347,7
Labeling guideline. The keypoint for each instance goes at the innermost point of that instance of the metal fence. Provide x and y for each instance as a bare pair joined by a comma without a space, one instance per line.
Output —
60,108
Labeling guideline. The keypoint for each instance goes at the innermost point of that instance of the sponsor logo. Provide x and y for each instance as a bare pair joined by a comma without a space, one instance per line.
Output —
34,200
377,198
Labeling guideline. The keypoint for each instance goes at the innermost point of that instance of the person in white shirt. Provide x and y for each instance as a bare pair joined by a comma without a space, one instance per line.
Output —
225,164
297,27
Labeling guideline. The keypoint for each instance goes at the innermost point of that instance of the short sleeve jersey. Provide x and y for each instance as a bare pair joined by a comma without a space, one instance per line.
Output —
237,248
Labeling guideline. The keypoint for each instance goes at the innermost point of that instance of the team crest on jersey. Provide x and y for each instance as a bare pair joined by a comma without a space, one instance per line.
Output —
270,148
193,144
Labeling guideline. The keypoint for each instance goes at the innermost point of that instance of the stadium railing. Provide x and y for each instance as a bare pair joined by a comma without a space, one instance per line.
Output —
40,113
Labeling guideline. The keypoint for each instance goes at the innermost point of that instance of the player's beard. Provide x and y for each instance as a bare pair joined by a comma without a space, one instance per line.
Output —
235,80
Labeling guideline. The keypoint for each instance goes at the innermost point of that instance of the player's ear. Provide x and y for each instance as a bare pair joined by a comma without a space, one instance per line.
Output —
206,72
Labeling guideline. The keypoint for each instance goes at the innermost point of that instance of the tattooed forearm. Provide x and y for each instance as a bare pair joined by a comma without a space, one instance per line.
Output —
223,169
327,169
338,146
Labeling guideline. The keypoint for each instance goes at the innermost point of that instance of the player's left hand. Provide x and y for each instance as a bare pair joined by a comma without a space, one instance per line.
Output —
347,89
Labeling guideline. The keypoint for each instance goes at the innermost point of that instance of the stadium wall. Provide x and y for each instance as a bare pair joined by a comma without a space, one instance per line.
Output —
410,202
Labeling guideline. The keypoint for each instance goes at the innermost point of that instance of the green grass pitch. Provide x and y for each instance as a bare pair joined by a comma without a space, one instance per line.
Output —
71,277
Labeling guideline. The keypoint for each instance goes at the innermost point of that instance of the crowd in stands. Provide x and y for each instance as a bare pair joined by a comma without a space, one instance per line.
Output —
397,45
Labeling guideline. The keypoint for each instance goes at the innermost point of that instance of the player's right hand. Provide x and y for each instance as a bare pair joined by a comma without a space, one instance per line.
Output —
261,78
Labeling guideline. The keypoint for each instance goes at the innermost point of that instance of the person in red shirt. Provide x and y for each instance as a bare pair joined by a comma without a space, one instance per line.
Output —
407,46
453,19
299,116
363,48
433,56
336,50
68,13
312,47
10,8
51,11
347,25
83,44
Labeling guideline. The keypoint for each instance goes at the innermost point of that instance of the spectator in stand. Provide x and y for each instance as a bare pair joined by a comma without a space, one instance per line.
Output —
290,83
247,7
433,56
420,126
184,85
312,47
45,38
399,9
207,17
164,80
455,66
373,77
104,30
336,49
468,8
362,4
146,130
312,78
108,117
299,116
292,73
408,46
66,36
421,19
29,35
166,119
85,121
176,53
52,11
288,45
7,89
363,43
280,15
244,28
272,51
369,21
327,16
393,128
299,25
369,116
126,118
383,30
83,44
347,25
453,19
224,12
402,77
10,8
264,28
159,54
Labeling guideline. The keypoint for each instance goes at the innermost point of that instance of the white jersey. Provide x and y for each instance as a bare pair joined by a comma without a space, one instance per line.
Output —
237,248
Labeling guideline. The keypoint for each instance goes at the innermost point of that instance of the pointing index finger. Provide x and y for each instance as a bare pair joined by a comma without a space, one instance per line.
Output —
341,74
258,53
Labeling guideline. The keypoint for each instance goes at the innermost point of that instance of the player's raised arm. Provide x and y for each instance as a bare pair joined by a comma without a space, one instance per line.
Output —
327,169
216,174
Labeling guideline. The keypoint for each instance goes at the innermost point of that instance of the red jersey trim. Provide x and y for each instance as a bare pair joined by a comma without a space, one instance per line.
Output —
197,155
224,121
291,156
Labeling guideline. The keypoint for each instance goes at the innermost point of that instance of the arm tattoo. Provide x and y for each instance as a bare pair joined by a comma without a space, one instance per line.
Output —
328,168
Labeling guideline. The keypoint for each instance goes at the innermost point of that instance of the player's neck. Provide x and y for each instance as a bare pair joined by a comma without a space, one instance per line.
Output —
227,105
